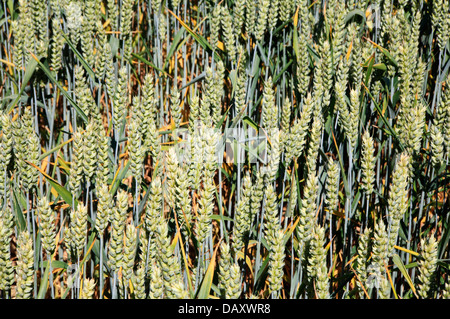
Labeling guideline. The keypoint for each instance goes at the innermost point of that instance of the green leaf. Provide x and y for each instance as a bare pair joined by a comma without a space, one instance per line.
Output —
219,218
44,283
398,262
29,71
63,91
250,122
20,219
148,63
55,264
275,79
173,47
205,288
61,190
353,13
201,40
79,56
119,178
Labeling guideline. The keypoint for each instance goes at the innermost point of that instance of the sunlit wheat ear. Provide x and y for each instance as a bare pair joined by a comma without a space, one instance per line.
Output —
322,80
214,25
364,248
242,216
228,32
76,239
269,109
104,208
286,110
210,141
57,45
138,281
314,143
103,160
135,151
24,266
129,252
27,149
276,263
110,77
436,146
229,274
90,155
250,16
368,163
18,32
153,210
427,266
171,165
261,22
162,27
74,20
332,184
185,201
317,269
238,17
121,98
307,212
257,195
195,161
272,17
156,288
234,288
125,17
76,168
6,149
170,267
149,101
398,198
295,140
446,292
112,14
271,218
82,91
273,159
87,33
384,291
440,22
118,220
46,225
205,210
175,107
88,289
380,246
6,266
338,39
194,114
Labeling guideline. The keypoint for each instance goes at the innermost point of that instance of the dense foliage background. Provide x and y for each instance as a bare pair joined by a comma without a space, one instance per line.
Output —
232,149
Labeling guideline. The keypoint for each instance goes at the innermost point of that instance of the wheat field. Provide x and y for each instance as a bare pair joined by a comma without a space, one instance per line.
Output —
234,149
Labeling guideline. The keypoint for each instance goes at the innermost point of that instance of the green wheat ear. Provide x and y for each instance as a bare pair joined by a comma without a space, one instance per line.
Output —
368,163
46,225
332,185
427,266
317,269
276,263
24,267
88,289
6,266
